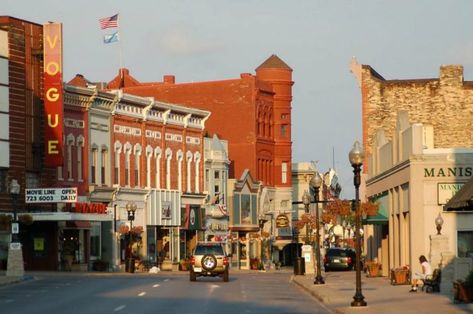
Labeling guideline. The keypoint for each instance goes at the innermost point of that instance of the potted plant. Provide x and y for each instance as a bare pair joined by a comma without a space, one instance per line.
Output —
99,265
184,264
373,268
463,289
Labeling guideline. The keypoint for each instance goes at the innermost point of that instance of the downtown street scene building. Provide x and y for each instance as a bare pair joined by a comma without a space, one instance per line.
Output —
94,174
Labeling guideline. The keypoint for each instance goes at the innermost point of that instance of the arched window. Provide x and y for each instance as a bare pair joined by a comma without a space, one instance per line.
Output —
70,142
188,170
197,172
149,154
103,164
94,164
157,155
127,163
168,168
137,153
179,157
80,158
116,166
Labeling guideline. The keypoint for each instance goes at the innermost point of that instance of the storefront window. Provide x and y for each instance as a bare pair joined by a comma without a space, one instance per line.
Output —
95,246
465,243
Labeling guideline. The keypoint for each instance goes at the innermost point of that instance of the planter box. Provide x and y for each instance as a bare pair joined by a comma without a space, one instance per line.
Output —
373,270
400,276
462,293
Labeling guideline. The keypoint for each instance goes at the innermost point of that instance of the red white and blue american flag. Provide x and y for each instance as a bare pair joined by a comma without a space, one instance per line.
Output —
109,22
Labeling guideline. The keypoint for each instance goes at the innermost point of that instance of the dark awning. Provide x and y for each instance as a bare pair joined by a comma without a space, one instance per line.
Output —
78,224
462,200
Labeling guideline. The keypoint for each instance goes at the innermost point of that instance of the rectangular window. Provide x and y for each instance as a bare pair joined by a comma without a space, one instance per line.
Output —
216,189
102,166
127,169
116,169
93,168
79,163
465,244
283,116
216,174
3,180
95,245
69,161
284,172
32,180
284,130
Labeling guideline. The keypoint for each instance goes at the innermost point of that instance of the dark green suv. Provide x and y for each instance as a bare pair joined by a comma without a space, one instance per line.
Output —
209,259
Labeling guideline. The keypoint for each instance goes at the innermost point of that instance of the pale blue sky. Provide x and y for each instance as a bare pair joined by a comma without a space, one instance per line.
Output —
199,40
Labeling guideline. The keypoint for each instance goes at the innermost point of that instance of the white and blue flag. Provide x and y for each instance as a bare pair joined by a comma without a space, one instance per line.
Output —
110,38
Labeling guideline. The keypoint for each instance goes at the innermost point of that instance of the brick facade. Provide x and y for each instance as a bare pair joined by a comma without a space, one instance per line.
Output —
253,113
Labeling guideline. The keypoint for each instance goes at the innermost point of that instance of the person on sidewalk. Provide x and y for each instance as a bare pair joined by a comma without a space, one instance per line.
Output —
426,271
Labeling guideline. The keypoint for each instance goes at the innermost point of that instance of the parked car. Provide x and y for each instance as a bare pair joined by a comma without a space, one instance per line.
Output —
339,259
209,259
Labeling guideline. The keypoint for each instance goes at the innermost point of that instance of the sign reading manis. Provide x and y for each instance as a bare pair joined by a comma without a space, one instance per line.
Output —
53,94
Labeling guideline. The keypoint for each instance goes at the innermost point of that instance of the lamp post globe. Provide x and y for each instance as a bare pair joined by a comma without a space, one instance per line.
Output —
356,157
316,183
439,223
306,202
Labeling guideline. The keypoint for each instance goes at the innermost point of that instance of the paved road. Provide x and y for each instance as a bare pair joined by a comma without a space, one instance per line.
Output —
266,293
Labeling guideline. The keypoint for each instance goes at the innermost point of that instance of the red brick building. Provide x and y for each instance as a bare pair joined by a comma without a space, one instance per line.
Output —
252,112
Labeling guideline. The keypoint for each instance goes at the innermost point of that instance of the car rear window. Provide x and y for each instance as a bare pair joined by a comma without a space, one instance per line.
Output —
333,252
209,249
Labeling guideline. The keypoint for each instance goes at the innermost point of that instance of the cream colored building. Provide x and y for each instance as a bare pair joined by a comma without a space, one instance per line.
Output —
412,181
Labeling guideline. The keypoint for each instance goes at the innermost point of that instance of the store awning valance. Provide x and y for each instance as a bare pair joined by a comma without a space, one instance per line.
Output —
381,218
462,200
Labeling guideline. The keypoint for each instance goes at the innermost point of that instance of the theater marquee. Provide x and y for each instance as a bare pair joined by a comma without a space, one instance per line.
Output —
53,94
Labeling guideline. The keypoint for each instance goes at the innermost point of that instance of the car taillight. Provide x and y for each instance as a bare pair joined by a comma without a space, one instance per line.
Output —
192,260
225,261
349,260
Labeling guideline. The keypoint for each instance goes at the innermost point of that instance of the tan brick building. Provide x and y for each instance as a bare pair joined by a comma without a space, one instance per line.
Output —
444,103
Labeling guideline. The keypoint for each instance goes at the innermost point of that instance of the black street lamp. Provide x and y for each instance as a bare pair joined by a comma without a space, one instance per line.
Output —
14,193
261,222
316,183
131,210
356,156
15,266
306,202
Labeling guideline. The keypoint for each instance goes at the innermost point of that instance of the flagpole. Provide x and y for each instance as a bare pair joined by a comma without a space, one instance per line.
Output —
120,50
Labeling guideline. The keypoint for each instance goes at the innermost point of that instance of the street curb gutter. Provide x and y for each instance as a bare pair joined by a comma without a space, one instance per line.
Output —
324,299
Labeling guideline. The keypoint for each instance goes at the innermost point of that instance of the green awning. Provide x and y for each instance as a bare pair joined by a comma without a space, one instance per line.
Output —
381,218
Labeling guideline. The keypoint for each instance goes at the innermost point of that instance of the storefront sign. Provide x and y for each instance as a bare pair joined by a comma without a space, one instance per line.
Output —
445,191
53,94
53,195
282,221
15,246
448,172
15,228
166,210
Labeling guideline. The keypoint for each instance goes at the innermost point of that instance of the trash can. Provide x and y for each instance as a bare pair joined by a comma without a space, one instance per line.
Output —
130,265
299,266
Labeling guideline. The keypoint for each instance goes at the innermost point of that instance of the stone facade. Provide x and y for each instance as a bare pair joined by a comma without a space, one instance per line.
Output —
445,103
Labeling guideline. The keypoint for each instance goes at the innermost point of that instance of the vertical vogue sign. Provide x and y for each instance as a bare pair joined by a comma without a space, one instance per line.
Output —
53,94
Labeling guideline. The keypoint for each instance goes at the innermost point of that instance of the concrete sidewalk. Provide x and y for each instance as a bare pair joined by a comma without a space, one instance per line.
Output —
382,297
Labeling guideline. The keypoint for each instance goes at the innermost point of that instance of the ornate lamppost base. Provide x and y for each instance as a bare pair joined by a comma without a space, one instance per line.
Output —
15,267
319,280
358,302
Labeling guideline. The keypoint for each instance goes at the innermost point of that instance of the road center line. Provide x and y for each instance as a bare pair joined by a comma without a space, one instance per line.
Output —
121,307
156,285
141,294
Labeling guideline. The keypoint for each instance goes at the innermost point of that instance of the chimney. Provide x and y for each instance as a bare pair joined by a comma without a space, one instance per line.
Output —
169,79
